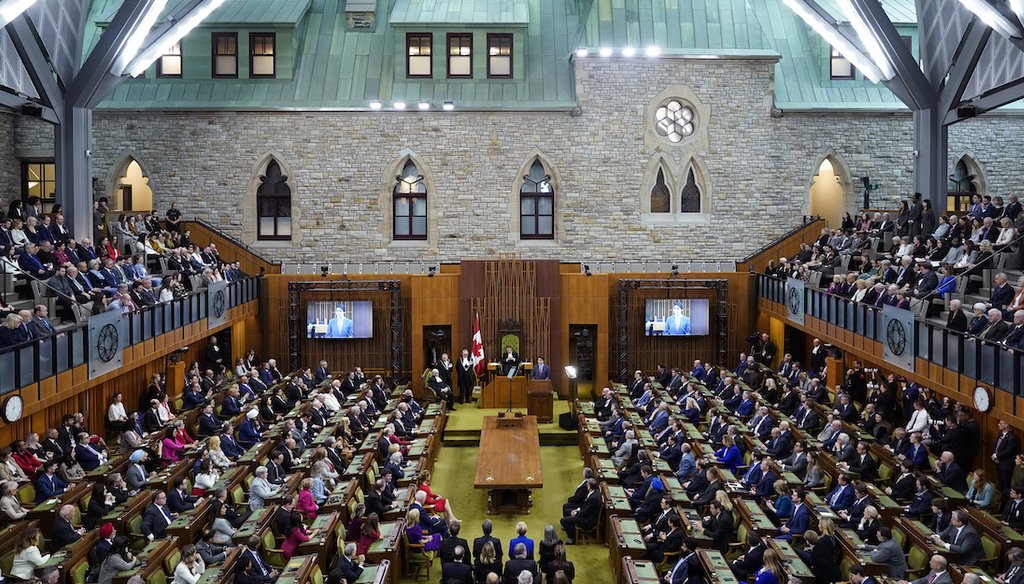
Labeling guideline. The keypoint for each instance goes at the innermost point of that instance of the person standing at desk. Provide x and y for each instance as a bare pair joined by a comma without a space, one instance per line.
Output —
677,323
541,370
510,361
339,327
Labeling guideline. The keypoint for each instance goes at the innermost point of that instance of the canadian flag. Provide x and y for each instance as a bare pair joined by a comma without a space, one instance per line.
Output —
478,347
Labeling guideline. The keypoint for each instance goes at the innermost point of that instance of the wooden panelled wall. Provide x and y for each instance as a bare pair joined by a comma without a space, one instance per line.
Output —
437,301
946,382
49,400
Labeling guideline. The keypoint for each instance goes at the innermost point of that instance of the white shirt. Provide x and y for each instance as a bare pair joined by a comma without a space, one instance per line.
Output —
116,412
331,402
26,561
918,421
182,574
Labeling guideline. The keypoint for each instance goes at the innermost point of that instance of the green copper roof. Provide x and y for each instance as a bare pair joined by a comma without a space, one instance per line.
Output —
674,24
324,65
465,12
898,11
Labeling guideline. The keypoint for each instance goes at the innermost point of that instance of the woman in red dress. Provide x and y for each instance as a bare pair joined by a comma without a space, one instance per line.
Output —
439,503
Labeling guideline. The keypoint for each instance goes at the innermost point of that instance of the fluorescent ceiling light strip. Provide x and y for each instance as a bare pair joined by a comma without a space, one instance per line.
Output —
11,9
134,43
833,37
178,30
868,39
994,18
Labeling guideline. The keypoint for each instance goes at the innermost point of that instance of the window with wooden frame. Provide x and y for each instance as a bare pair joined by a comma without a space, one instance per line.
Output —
499,56
169,64
460,55
39,179
225,54
262,55
419,63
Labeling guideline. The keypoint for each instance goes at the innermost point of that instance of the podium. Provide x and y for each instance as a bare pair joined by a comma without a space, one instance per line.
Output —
539,400
496,393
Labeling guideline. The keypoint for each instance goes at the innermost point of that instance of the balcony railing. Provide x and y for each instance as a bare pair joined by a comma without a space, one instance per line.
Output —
988,362
36,360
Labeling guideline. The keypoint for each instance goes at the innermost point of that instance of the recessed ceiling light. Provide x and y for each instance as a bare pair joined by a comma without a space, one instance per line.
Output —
448,106
399,105
424,105
581,52
605,52
376,105
628,52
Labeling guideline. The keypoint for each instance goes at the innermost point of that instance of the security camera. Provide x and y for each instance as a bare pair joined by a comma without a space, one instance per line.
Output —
88,153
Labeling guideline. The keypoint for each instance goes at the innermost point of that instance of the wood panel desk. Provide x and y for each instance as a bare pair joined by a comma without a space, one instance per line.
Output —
716,567
496,394
638,572
257,522
46,512
509,464
68,556
298,570
540,401
387,549
379,574
189,525
151,560
325,545
222,572
624,541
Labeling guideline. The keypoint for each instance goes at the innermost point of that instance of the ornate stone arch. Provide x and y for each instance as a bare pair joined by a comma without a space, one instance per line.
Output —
249,211
117,171
702,178
559,200
660,162
973,167
385,203
842,173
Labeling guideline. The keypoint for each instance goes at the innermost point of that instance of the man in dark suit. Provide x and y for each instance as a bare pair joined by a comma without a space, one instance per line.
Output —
375,499
541,369
441,389
962,538
927,281
63,532
796,463
1004,454
1013,515
1002,294
348,567
957,320
509,361
950,473
751,560
668,541
478,543
585,515
449,545
864,464
801,518
156,518
48,484
263,573
456,570
718,526
517,564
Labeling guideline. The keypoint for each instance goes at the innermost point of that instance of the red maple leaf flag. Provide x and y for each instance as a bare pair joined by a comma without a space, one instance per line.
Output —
478,348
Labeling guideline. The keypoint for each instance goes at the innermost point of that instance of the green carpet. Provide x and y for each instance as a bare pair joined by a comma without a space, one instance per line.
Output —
562,467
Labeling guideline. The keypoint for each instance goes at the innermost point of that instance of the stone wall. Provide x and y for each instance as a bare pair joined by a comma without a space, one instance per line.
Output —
10,172
756,168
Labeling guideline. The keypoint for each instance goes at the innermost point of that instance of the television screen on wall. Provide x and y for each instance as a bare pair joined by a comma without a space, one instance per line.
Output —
333,319
676,318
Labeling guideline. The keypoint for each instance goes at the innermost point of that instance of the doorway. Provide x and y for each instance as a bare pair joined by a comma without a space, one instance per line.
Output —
133,191
582,339
827,196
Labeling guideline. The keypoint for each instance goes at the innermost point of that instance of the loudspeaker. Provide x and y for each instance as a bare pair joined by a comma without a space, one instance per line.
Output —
567,421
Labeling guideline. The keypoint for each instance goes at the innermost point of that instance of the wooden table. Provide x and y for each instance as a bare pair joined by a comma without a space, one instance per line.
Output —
223,571
716,566
624,541
189,525
637,572
795,566
298,570
509,464
151,560
386,550
850,544
255,524
501,389
324,545
46,512
70,555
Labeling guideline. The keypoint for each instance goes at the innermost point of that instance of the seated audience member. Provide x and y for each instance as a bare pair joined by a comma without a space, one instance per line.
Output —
522,539
518,563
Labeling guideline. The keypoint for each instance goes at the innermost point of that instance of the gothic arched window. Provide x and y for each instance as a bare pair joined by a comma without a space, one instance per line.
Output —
537,204
274,205
410,204
661,198
690,200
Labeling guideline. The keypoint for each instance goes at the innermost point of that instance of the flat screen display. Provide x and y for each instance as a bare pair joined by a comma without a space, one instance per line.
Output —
676,318
332,319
